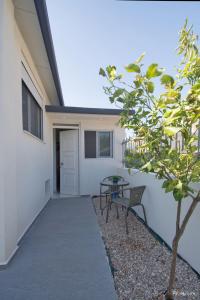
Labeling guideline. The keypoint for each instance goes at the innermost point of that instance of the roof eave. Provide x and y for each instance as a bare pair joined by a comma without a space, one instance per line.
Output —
84,110
43,18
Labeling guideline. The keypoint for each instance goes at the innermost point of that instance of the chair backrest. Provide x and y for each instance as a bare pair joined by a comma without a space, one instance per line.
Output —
136,195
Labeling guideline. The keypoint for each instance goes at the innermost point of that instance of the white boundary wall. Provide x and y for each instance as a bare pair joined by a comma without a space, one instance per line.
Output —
161,215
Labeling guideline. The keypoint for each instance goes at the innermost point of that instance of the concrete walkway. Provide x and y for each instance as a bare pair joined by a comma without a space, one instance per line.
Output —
62,257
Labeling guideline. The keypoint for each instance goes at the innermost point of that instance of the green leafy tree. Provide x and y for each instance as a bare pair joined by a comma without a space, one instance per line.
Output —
159,119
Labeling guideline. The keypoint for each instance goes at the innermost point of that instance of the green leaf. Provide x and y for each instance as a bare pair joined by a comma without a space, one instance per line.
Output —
140,58
172,185
153,71
150,87
133,68
137,83
165,184
118,93
102,72
120,99
167,80
147,167
138,80
196,87
167,114
179,185
111,70
178,195
171,131
112,100
168,185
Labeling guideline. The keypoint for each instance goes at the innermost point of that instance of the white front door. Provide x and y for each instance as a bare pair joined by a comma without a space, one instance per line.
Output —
69,162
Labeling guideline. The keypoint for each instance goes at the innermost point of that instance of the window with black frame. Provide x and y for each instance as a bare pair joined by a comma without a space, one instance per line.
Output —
31,113
98,144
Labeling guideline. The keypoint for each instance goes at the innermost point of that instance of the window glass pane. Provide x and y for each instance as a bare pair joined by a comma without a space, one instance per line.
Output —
35,118
105,144
32,113
25,107
90,144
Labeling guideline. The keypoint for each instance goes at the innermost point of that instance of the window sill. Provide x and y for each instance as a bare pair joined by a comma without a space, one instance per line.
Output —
33,136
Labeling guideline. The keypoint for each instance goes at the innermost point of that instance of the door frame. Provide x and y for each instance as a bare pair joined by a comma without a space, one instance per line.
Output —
63,127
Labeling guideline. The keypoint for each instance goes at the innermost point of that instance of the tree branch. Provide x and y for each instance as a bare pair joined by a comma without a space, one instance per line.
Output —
187,216
178,216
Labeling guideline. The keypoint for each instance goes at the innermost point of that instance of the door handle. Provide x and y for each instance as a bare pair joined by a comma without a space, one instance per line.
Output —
61,164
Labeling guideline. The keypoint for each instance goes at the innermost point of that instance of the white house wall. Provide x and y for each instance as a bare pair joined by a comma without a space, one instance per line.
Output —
2,230
8,89
161,215
93,170
24,160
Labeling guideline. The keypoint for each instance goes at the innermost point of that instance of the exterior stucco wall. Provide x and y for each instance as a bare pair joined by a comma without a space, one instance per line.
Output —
24,159
2,230
93,170
8,130
161,215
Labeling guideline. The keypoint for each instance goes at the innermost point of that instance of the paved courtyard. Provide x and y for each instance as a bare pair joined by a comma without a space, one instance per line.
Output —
61,257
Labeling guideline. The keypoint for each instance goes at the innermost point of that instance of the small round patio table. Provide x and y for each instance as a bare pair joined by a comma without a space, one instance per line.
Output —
114,189
114,186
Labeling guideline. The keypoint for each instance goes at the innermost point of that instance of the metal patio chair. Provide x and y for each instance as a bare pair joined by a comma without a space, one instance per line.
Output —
134,199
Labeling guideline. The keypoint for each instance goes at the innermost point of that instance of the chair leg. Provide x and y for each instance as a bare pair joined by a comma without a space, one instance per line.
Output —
145,217
126,221
110,205
127,212
107,212
101,209
122,196
100,203
117,210
94,205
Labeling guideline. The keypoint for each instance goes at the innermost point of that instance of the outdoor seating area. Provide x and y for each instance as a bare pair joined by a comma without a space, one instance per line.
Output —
139,258
115,191
139,261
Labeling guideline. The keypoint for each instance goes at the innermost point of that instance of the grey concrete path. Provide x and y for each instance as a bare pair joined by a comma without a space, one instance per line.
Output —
62,257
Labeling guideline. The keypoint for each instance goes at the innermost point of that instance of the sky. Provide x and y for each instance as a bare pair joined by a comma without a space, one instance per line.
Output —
89,34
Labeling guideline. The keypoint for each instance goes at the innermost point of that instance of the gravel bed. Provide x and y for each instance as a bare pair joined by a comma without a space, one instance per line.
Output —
141,263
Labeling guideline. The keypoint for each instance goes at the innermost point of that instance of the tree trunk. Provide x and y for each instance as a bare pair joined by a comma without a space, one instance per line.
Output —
179,232
169,295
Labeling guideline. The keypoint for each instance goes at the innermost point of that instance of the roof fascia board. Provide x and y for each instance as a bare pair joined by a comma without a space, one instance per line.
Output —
84,110
43,18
